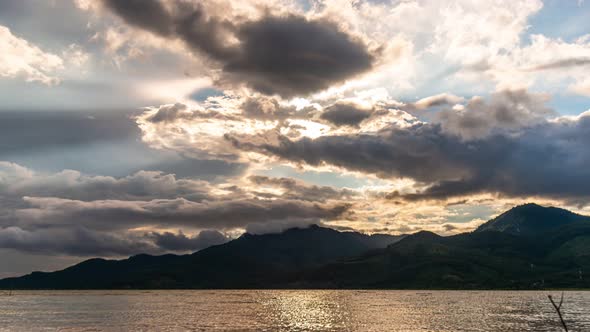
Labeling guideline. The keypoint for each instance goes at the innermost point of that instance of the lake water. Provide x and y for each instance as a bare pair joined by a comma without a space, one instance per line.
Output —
286,310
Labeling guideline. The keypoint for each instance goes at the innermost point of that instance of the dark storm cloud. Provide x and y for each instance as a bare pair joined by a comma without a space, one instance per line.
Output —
284,55
181,242
420,152
110,215
78,241
146,14
76,228
546,159
346,114
75,241
200,31
292,55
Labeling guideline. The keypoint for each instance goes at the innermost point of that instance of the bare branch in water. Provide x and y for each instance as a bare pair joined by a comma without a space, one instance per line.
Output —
558,310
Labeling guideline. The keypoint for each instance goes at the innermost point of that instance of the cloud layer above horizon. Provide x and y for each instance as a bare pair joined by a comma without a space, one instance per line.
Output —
171,125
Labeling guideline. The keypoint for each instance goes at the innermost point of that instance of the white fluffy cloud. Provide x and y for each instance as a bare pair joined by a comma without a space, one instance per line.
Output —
23,59
472,32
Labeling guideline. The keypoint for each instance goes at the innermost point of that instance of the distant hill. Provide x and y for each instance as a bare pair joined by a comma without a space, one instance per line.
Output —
527,247
531,219
247,262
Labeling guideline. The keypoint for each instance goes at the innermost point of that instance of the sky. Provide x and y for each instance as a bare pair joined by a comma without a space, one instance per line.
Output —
157,126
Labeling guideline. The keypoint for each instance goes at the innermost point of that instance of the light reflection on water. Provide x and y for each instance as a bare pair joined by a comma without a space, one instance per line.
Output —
289,310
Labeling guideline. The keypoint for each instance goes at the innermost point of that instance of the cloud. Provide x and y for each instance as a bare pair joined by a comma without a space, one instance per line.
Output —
200,131
147,14
346,114
23,59
545,160
564,63
17,181
547,64
468,146
148,198
87,141
75,241
169,113
503,145
469,32
175,112
582,87
181,242
392,152
76,214
507,111
278,227
269,109
292,55
79,241
179,212
443,99
296,189
286,55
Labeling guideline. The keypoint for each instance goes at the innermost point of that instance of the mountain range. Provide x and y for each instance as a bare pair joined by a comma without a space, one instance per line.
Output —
527,247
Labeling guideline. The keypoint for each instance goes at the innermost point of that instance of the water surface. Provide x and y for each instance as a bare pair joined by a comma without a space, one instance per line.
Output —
286,310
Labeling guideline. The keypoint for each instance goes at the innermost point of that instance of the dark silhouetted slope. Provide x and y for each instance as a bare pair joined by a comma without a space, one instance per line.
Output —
527,247
249,261
532,219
